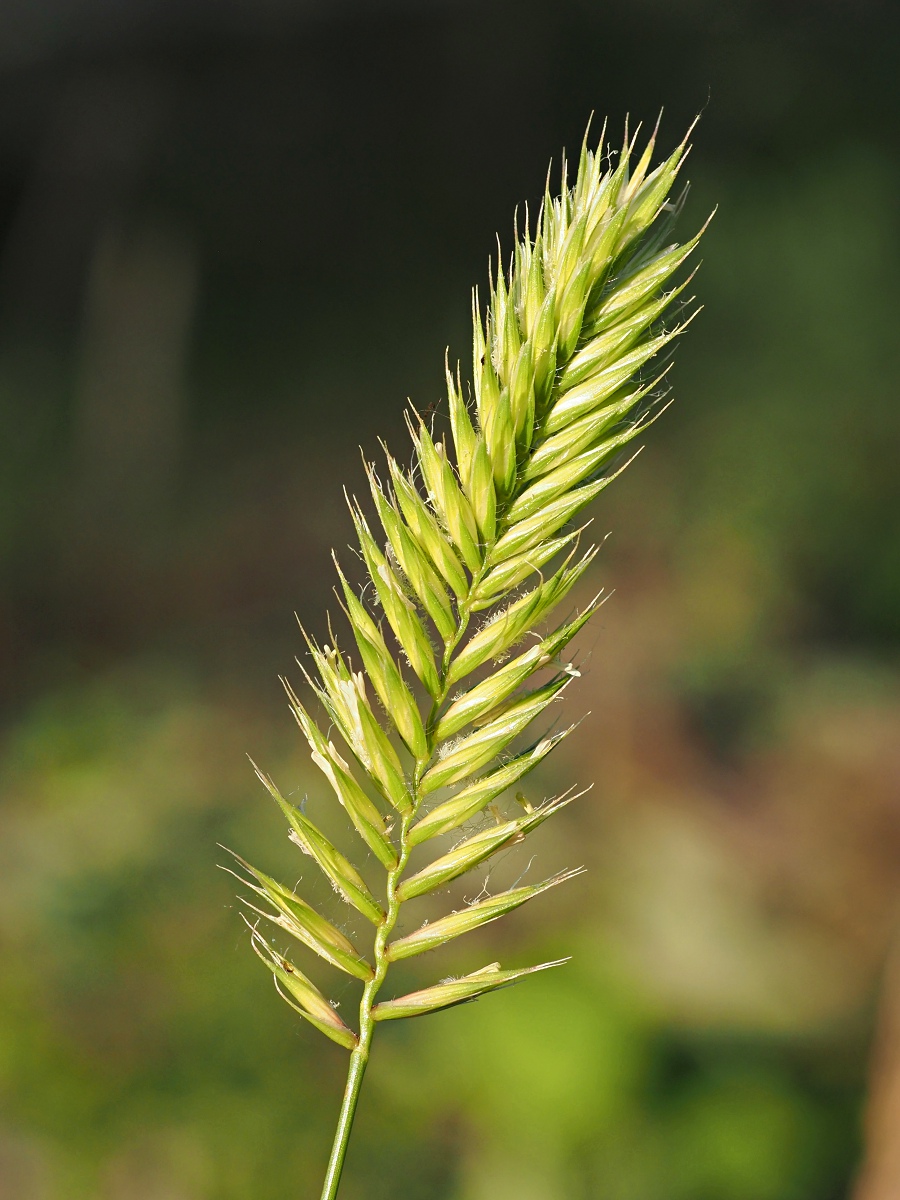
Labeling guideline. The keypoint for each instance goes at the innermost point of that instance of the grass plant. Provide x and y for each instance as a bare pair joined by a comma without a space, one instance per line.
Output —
469,554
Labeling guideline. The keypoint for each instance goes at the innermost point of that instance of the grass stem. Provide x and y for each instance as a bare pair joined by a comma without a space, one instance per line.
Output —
358,1061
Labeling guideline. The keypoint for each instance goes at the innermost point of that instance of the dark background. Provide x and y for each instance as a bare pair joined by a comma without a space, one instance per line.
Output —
234,238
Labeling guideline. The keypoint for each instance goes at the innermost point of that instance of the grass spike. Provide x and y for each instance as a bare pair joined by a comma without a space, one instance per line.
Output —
566,371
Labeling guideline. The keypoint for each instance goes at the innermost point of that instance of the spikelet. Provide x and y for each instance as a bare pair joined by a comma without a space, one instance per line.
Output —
469,555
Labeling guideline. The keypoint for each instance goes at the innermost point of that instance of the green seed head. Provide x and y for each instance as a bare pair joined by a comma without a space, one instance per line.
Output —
470,556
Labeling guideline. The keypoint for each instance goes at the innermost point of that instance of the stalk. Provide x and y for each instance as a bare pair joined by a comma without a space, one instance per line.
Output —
359,1059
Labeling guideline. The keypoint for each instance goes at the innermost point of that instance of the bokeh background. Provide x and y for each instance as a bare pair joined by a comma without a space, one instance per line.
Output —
235,236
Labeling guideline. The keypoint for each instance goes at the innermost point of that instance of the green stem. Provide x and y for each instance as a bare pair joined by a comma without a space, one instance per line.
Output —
360,1056
358,1060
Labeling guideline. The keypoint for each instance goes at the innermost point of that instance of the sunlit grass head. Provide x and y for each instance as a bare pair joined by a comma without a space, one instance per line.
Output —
447,692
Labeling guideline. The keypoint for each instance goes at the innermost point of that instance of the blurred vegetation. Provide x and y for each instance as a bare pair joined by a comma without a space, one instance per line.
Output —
232,245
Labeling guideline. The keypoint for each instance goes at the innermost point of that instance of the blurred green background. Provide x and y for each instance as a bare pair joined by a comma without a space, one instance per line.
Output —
235,236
